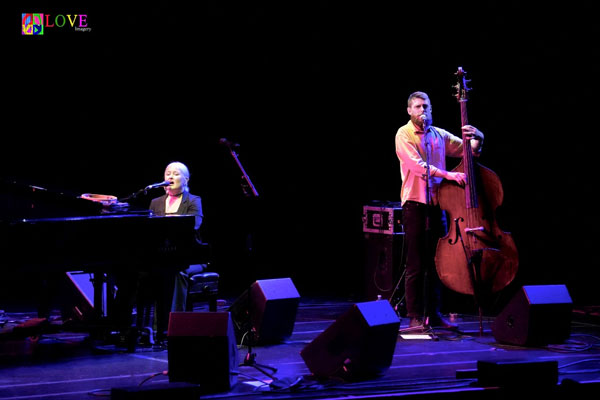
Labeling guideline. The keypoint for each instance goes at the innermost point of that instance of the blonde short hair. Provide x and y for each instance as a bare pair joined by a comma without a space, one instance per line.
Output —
184,171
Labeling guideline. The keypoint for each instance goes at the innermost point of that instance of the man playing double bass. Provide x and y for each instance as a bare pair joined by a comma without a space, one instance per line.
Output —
422,150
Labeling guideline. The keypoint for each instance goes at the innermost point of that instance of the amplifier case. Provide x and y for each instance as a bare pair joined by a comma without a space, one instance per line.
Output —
382,217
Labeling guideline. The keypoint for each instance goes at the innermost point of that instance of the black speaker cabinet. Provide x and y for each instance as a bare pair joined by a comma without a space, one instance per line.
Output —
383,264
267,310
202,350
536,315
359,345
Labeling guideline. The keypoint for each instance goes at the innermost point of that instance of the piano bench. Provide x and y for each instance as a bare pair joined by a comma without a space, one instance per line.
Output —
203,287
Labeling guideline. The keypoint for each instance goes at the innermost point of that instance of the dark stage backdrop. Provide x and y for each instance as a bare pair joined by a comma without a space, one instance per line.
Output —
313,92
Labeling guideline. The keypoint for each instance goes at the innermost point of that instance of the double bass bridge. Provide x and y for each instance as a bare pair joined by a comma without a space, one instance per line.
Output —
478,238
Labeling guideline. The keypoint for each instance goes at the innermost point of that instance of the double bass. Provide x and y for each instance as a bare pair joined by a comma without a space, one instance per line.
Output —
476,257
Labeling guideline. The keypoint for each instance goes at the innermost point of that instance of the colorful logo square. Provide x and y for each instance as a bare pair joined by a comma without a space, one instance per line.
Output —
32,24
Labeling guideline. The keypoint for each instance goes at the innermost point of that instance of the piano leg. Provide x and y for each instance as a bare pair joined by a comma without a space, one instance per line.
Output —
99,281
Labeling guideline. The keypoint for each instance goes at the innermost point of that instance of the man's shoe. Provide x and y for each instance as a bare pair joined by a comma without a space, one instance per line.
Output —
414,322
437,320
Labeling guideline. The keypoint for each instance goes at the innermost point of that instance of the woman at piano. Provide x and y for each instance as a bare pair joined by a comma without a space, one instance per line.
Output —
176,200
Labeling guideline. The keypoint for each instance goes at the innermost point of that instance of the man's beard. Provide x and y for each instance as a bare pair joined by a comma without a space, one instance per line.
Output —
418,121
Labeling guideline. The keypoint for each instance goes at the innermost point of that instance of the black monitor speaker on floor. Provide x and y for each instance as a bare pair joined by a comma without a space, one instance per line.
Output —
360,344
266,312
537,315
202,350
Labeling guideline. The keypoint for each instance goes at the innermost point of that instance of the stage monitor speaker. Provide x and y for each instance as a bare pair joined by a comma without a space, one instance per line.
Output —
383,264
267,309
202,350
536,315
359,345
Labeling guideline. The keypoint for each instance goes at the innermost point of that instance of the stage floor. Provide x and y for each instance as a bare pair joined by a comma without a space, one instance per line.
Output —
68,365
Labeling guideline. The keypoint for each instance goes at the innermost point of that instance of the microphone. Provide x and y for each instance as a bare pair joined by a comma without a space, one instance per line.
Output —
157,185
228,143
425,120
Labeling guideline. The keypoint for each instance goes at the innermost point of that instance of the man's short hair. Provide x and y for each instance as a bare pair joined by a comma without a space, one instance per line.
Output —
419,95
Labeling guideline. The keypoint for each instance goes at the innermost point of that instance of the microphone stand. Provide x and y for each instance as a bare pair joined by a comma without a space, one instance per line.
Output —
427,223
246,182
426,285
250,358
133,195
144,191
250,333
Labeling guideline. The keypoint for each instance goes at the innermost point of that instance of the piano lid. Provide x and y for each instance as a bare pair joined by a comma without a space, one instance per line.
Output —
21,200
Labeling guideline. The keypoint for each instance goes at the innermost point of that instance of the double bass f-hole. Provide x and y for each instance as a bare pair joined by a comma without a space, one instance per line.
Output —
457,236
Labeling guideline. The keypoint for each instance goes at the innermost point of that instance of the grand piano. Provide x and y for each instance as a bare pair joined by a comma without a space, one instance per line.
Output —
46,231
